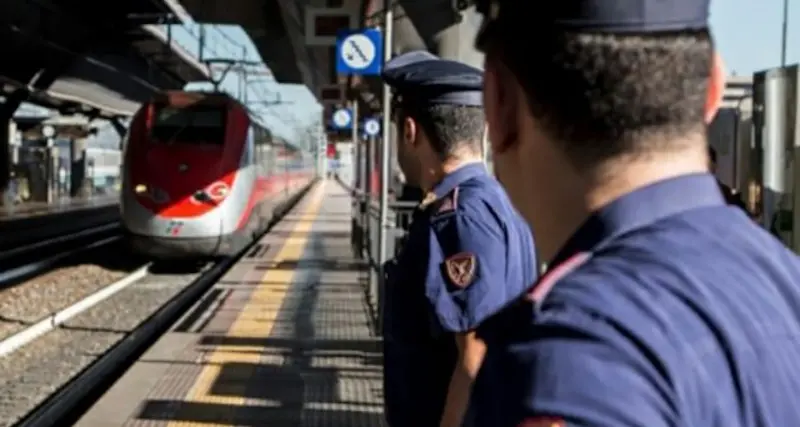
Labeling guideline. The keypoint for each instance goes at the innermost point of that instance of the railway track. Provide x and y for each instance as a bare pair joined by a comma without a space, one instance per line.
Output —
48,351
26,261
95,340
58,317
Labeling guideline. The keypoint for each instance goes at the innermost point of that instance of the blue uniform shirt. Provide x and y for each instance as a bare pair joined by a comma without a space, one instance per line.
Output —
468,254
667,308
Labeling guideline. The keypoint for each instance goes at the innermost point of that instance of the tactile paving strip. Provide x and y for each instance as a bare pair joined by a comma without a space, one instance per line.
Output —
320,366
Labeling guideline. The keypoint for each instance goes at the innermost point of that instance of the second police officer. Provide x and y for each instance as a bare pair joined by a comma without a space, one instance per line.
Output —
663,306
468,252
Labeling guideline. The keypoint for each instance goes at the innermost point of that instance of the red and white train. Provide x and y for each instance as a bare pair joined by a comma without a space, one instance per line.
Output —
201,178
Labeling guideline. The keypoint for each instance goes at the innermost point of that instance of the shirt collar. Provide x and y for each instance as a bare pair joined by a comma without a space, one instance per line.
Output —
458,176
641,208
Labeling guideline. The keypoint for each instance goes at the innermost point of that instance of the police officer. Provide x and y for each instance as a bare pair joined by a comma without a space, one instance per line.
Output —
662,306
468,251
731,197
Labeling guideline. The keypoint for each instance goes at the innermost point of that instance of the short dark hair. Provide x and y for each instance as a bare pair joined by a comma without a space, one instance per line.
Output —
449,127
603,95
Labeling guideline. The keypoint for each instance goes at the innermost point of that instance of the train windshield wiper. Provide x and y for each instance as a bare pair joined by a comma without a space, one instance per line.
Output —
171,140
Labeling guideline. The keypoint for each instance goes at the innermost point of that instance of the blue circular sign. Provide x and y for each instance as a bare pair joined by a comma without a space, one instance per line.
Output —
372,127
342,118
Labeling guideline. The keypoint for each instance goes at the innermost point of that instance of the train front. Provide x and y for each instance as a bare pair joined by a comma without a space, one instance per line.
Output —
185,175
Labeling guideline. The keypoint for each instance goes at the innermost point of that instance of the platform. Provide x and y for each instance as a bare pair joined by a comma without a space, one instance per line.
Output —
26,211
283,339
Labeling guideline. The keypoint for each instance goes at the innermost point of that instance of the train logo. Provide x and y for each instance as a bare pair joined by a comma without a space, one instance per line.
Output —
174,228
217,191
214,193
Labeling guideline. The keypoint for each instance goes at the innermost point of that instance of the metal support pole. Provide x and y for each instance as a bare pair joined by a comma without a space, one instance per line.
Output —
771,134
355,130
358,200
784,32
201,41
51,157
354,103
319,150
243,77
385,154
369,238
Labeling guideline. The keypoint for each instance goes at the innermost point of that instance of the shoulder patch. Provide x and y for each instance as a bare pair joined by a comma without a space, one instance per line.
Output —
460,268
542,288
542,422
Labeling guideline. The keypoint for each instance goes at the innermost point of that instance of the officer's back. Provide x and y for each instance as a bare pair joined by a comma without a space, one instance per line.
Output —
425,316
705,342
663,305
468,252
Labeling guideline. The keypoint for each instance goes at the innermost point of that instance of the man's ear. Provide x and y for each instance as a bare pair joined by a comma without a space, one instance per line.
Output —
716,87
409,131
500,105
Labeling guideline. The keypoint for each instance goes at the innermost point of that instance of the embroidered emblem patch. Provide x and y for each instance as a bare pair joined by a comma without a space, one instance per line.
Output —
543,422
460,268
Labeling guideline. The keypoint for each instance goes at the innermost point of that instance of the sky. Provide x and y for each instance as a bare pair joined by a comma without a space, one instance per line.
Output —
748,33
232,42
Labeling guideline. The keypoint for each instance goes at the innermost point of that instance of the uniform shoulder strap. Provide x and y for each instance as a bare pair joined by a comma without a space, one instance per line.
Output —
547,282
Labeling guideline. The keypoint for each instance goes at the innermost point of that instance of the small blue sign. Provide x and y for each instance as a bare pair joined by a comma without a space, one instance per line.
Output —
359,52
342,119
372,126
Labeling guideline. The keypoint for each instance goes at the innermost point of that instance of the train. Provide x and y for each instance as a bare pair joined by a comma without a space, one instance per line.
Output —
202,177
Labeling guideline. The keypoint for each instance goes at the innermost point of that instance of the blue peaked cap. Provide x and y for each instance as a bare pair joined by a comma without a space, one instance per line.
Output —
610,16
422,78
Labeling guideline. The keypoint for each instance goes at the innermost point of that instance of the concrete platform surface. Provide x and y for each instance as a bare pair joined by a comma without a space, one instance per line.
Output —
284,339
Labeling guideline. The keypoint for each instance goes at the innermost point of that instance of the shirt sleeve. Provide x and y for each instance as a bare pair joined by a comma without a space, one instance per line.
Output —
466,272
579,371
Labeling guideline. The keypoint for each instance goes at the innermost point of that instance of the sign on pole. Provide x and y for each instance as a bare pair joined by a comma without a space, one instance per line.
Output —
372,127
331,94
359,52
323,24
342,118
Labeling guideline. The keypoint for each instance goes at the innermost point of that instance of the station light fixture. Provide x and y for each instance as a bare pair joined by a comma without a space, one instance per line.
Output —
48,131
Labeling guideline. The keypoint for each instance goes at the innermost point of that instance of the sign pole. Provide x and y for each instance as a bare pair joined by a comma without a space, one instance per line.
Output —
354,121
360,53
385,153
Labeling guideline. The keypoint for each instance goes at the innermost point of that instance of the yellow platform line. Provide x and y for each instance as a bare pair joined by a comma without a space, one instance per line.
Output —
256,320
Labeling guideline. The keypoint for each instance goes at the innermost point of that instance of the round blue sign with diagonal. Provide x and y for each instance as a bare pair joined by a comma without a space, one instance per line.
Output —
359,52
372,127
342,118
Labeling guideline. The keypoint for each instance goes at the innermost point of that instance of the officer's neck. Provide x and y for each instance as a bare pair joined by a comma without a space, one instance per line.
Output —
442,169
590,192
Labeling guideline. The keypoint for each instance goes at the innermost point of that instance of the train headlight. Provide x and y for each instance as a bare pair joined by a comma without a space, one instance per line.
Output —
140,189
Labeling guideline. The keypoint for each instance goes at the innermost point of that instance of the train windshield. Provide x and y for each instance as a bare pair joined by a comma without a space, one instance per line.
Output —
192,125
